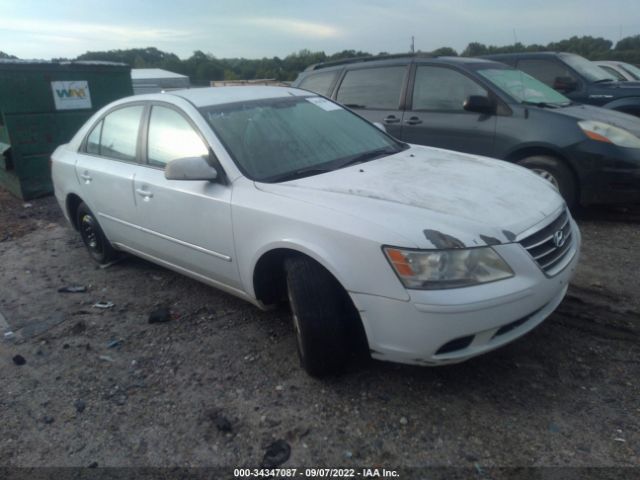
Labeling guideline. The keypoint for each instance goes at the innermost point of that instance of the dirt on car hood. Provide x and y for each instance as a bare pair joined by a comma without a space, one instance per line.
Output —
435,197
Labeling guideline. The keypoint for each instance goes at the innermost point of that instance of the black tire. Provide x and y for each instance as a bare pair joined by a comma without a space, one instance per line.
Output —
93,237
557,173
323,317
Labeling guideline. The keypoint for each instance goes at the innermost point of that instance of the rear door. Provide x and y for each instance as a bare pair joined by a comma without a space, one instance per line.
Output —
436,116
107,163
376,93
185,223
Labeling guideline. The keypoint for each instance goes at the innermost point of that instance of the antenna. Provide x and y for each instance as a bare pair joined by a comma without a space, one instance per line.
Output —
412,44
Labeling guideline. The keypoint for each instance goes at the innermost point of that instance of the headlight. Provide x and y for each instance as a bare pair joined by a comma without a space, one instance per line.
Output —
439,269
603,132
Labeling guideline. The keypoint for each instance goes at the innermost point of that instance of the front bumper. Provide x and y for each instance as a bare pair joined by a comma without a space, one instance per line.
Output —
450,326
609,174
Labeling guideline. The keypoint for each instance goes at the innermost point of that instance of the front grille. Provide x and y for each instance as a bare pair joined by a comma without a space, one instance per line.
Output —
543,247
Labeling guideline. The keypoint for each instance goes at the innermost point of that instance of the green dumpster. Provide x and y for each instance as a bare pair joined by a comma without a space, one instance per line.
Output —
42,105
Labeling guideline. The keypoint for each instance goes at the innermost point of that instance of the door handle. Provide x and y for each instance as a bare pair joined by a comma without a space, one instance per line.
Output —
391,119
146,194
413,121
86,177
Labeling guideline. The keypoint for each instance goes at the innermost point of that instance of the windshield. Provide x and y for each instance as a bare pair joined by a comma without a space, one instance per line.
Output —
587,69
523,87
284,138
631,70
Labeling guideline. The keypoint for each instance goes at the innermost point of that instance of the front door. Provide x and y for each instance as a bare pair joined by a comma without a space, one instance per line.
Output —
436,116
185,223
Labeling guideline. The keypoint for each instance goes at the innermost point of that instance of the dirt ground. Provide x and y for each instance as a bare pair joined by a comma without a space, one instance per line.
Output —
220,382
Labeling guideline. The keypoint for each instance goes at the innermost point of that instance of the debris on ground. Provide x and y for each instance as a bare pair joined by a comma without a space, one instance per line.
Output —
79,405
160,315
40,326
221,422
73,289
106,358
48,419
19,360
276,454
103,305
111,263
114,344
78,328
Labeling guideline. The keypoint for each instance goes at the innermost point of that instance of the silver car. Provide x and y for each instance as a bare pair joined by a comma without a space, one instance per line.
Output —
423,255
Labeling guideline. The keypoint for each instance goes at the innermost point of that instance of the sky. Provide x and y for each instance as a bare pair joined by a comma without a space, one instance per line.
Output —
267,28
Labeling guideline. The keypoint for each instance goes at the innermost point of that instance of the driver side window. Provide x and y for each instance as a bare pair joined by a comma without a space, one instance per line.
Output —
443,89
171,136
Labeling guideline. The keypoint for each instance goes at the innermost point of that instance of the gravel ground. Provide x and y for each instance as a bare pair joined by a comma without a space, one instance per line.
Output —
220,382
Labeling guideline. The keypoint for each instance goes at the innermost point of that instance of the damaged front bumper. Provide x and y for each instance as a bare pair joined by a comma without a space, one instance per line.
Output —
450,326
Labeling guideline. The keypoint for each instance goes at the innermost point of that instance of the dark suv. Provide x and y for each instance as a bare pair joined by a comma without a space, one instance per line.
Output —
477,106
577,78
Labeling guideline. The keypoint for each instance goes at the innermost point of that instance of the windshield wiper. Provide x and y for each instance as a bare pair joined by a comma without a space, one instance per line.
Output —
603,80
296,174
370,155
309,171
354,105
545,104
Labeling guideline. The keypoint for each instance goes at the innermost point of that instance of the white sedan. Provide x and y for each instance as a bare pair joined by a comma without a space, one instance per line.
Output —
424,255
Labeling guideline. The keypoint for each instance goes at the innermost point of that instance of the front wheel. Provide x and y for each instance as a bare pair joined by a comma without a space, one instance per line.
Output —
556,173
322,316
93,237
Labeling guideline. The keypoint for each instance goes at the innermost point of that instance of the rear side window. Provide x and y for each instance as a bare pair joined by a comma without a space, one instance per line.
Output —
170,137
547,71
375,88
93,141
319,82
443,89
120,133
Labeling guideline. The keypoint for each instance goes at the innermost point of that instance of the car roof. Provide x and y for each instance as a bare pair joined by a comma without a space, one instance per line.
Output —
392,59
525,54
208,96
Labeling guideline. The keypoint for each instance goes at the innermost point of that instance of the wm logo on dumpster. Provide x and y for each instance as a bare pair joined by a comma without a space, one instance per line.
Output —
71,95
72,92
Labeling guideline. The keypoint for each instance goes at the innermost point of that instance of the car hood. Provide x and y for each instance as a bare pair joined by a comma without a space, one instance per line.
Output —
612,117
433,197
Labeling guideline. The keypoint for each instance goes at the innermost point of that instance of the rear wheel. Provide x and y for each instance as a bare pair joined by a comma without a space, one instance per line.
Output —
323,317
93,237
556,172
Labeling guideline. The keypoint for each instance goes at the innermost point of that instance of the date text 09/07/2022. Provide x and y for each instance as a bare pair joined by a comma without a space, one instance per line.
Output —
315,473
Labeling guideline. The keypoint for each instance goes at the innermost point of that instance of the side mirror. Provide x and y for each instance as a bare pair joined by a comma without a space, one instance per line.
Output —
565,84
190,168
380,126
479,104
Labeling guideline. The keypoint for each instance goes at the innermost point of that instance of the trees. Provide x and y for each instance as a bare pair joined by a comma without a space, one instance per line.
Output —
587,46
7,56
445,52
203,67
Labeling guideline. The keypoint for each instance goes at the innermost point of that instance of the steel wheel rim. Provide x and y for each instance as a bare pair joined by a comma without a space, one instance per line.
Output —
89,232
548,176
